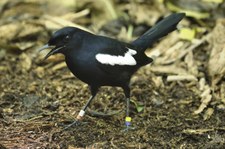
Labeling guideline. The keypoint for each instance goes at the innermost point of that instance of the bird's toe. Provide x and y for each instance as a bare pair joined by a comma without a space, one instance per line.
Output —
128,128
74,124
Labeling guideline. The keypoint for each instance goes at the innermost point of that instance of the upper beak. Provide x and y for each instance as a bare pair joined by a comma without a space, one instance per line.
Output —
53,51
45,47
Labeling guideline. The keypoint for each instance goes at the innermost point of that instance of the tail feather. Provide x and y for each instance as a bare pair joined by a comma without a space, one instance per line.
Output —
161,29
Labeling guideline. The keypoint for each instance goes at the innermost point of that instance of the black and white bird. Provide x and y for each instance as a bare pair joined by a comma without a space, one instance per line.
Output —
102,61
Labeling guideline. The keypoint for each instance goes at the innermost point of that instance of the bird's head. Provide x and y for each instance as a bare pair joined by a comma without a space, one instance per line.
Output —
59,41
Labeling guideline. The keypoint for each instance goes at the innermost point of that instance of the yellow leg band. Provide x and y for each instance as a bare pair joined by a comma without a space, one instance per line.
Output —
128,119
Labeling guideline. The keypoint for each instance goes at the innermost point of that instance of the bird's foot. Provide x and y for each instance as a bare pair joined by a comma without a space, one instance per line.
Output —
128,124
74,123
128,128
77,121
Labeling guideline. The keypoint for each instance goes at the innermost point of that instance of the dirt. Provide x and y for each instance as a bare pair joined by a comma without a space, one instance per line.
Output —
36,110
38,99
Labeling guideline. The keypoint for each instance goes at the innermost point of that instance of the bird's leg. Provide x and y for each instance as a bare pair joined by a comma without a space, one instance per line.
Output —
128,118
82,111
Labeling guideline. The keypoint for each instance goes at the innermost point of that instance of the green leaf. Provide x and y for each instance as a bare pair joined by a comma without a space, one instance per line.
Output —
139,107
187,33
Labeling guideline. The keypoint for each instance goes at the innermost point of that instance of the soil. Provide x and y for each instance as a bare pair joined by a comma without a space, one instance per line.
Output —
36,110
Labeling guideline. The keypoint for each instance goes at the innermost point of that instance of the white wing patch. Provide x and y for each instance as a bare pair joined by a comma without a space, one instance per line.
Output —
127,59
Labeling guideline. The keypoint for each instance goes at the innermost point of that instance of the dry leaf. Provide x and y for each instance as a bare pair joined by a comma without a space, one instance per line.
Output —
190,13
158,81
202,84
40,72
191,64
196,131
170,69
206,97
25,62
216,65
59,66
181,78
142,14
208,113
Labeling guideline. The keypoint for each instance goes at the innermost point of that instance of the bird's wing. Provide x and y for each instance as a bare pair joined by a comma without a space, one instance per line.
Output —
116,60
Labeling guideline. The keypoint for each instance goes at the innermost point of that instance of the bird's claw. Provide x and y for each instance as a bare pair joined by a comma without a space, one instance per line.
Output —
128,128
74,123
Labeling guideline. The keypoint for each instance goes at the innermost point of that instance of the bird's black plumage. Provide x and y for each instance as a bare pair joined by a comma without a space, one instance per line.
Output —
161,29
102,61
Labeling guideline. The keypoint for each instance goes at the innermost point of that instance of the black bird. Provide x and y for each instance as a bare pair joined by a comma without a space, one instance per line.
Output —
102,61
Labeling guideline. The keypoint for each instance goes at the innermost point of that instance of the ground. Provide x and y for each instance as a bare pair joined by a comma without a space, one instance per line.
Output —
37,109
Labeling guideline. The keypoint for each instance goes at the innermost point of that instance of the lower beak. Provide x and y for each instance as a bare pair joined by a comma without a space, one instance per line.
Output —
53,51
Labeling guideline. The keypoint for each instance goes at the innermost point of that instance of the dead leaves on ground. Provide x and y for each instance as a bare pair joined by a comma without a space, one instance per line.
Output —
177,59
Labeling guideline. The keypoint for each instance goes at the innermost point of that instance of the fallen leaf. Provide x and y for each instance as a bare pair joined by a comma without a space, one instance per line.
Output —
208,113
25,62
216,63
190,13
187,34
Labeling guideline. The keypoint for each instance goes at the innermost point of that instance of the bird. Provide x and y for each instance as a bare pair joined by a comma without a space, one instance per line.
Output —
103,61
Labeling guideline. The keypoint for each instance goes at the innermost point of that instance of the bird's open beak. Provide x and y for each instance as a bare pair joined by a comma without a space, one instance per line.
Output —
53,51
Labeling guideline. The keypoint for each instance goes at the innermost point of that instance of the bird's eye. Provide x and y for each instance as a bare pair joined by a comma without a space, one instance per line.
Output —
67,38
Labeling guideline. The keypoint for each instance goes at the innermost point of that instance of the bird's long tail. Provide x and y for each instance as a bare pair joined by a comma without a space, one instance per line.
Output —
161,29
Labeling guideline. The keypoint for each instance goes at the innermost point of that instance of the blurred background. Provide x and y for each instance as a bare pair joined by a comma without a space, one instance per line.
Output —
179,100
